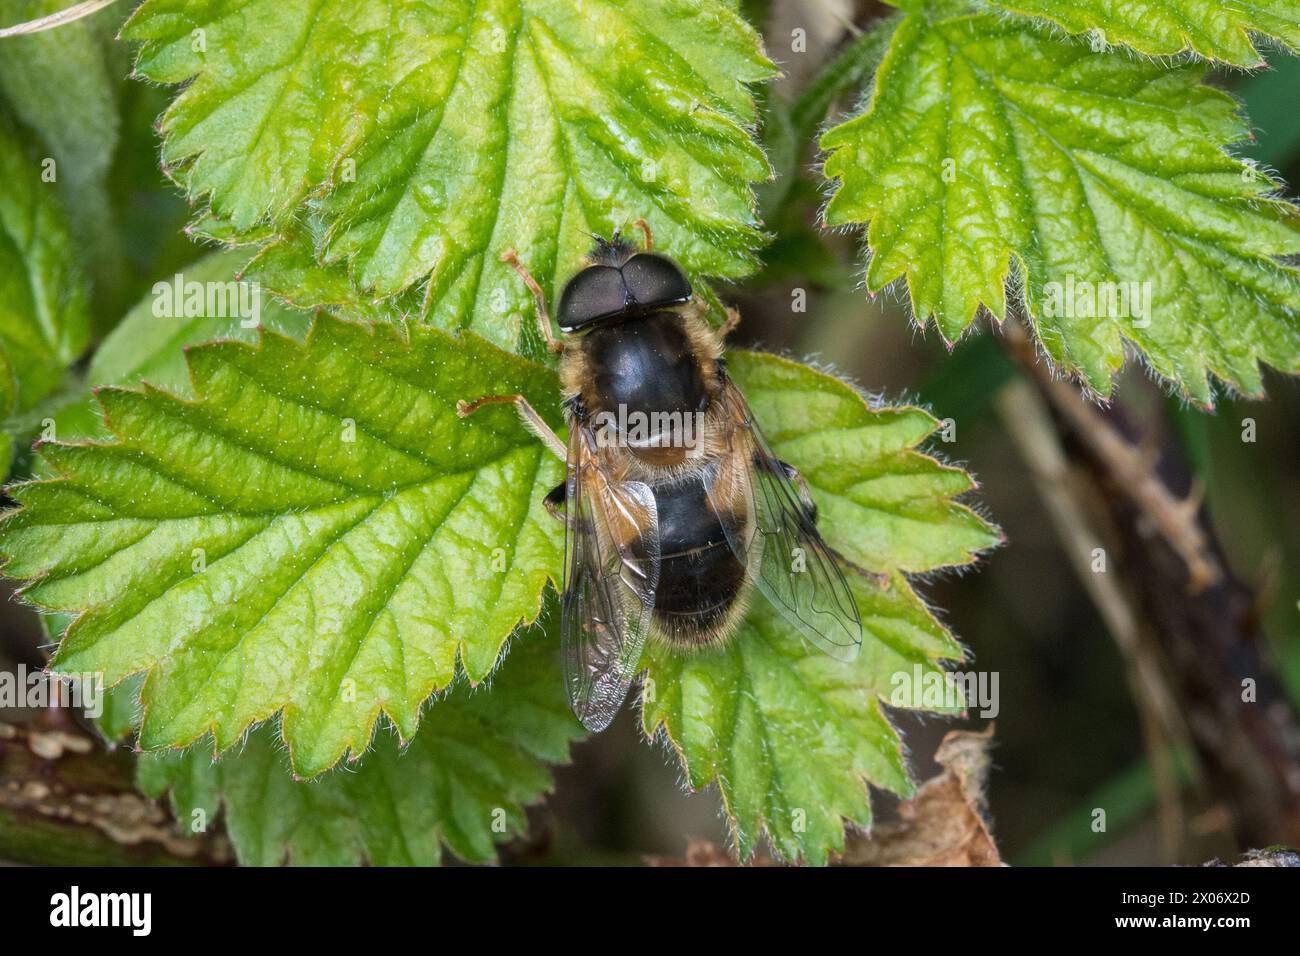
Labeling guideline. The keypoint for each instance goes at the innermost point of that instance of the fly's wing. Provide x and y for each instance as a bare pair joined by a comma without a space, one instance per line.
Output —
611,572
788,560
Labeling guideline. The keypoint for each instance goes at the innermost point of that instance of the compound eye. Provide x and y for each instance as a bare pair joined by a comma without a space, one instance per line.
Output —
595,293
655,280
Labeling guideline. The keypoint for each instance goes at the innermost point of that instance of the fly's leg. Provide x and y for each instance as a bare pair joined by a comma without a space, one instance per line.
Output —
511,258
555,499
645,231
532,421
729,326
699,309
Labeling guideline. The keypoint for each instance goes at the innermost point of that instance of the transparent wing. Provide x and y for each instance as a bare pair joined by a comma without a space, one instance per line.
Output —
611,572
788,560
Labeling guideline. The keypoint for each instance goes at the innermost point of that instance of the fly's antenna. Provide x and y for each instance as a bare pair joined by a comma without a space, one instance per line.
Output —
613,251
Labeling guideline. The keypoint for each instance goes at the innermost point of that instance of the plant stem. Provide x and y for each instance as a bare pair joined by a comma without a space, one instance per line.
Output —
1029,424
65,801
1197,619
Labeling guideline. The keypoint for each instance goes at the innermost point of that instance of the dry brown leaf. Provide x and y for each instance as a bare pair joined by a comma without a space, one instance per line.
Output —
945,823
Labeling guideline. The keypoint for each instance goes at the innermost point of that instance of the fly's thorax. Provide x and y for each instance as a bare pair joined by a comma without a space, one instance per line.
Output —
647,365
647,386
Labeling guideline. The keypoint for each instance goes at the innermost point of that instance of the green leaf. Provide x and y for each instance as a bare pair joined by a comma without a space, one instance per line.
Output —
288,267
316,531
990,150
477,761
1211,28
343,580
429,138
149,343
44,317
62,84
789,735
882,504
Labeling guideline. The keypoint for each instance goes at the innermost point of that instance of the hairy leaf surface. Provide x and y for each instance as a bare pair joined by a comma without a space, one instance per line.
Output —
1213,28
480,757
316,531
428,138
1098,183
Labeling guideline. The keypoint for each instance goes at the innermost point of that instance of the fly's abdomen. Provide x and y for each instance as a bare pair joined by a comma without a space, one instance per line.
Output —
700,577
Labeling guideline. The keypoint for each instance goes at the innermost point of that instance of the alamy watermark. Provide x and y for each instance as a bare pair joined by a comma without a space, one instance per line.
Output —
190,299
634,428
74,908
37,689
931,689
1082,299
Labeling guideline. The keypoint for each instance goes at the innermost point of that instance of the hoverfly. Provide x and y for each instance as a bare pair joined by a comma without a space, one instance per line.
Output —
669,528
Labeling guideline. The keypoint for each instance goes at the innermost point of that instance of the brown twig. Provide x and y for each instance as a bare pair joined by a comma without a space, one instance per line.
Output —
65,801
1132,467
1197,619
1030,426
